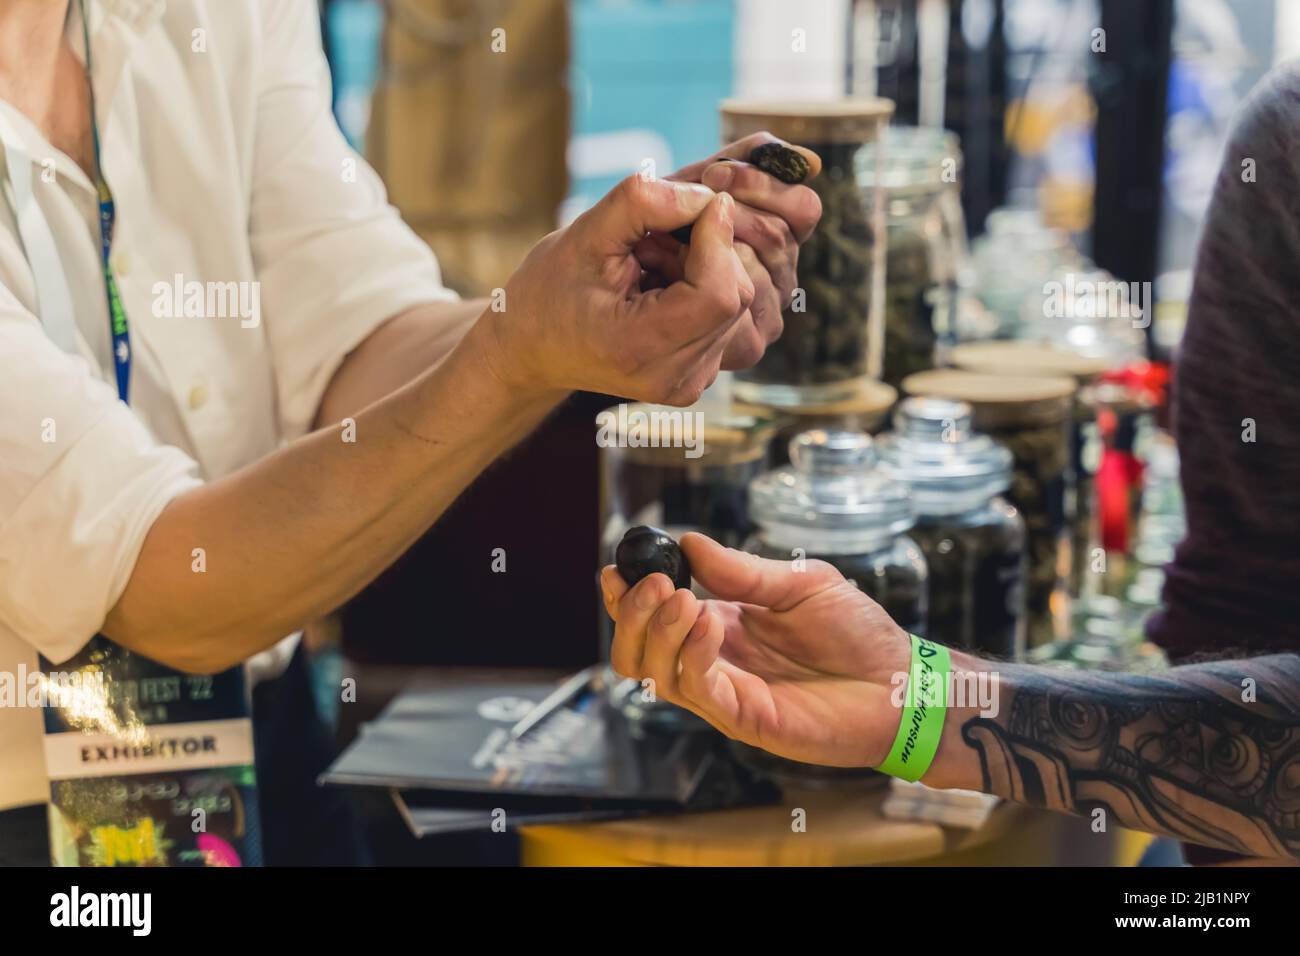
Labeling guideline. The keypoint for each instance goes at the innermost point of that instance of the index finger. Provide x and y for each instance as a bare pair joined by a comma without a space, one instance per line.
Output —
612,589
740,150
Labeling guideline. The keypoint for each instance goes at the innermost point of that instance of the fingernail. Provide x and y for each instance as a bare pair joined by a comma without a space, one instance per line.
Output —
671,612
692,197
728,207
719,177
647,595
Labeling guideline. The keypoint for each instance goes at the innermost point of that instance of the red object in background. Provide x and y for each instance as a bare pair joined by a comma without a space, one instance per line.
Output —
1147,381
1119,475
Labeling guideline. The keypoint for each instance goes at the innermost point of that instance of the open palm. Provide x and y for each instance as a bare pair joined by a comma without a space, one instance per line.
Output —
789,657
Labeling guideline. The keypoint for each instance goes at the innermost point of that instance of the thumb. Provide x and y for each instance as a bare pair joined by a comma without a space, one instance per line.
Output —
732,575
639,205
711,257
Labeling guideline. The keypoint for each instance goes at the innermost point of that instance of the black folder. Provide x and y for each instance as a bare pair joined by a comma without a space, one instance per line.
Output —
451,756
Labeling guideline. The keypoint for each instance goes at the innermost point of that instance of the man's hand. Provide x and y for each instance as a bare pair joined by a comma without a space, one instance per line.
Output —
798,662
804,665
578,317
772,219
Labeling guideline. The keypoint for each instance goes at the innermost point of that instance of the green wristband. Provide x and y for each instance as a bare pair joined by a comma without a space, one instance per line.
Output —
923,712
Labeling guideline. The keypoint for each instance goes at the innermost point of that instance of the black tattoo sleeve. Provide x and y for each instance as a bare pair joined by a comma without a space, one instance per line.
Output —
1208,753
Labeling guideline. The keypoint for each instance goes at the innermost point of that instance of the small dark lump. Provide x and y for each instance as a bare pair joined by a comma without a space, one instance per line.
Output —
645,550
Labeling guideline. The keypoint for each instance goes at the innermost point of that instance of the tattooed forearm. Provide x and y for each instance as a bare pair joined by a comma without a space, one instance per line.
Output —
1208,753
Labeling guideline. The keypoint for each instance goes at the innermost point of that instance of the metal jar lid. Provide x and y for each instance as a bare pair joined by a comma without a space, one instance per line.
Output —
833,484
949,467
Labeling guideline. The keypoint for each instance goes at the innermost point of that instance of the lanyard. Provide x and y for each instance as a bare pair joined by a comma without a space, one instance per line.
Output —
119,331
54,298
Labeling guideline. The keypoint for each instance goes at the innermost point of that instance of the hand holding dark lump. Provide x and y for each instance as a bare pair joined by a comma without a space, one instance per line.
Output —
778,161
645,550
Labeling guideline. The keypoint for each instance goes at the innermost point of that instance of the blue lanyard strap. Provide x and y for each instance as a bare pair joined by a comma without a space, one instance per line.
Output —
119,330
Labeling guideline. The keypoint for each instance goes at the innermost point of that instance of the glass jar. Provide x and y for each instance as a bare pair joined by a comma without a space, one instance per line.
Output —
1083,352
920,253
680,470
834,502
833,332
973,539
1013,259
1031,417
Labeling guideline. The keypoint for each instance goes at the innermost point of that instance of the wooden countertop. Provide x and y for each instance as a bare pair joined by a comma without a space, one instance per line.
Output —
843,827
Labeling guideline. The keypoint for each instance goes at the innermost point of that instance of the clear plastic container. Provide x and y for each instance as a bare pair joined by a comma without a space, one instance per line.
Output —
973,538
917,178
834,329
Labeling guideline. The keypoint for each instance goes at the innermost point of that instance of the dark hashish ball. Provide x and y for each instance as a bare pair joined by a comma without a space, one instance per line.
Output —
779,160
645,550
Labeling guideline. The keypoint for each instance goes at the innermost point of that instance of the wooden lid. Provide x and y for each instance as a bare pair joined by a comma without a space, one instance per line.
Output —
999,400
870,397
1026,358
850,119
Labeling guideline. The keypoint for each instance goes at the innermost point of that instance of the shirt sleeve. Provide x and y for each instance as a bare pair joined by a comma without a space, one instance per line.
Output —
81,482
334,259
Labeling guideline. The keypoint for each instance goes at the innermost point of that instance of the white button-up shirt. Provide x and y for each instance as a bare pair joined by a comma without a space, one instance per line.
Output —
253,250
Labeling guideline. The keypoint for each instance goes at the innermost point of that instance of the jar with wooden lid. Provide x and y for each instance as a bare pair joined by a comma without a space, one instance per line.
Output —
834,328
1031,416
867,410
679,469
1021,358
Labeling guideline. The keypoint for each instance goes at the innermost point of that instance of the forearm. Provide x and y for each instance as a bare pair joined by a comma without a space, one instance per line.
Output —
399,351
294,535
1206,753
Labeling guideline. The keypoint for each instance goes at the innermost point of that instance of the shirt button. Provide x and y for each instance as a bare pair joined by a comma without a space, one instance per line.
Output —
198,396
121,262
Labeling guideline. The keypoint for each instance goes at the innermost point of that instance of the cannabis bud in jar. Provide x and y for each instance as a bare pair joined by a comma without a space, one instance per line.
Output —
832,336
973,540
645,550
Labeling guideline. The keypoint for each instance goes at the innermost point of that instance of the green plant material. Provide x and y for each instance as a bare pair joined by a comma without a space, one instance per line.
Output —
779,160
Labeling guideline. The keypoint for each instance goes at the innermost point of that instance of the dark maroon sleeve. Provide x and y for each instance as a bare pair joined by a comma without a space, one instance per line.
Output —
1235,582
